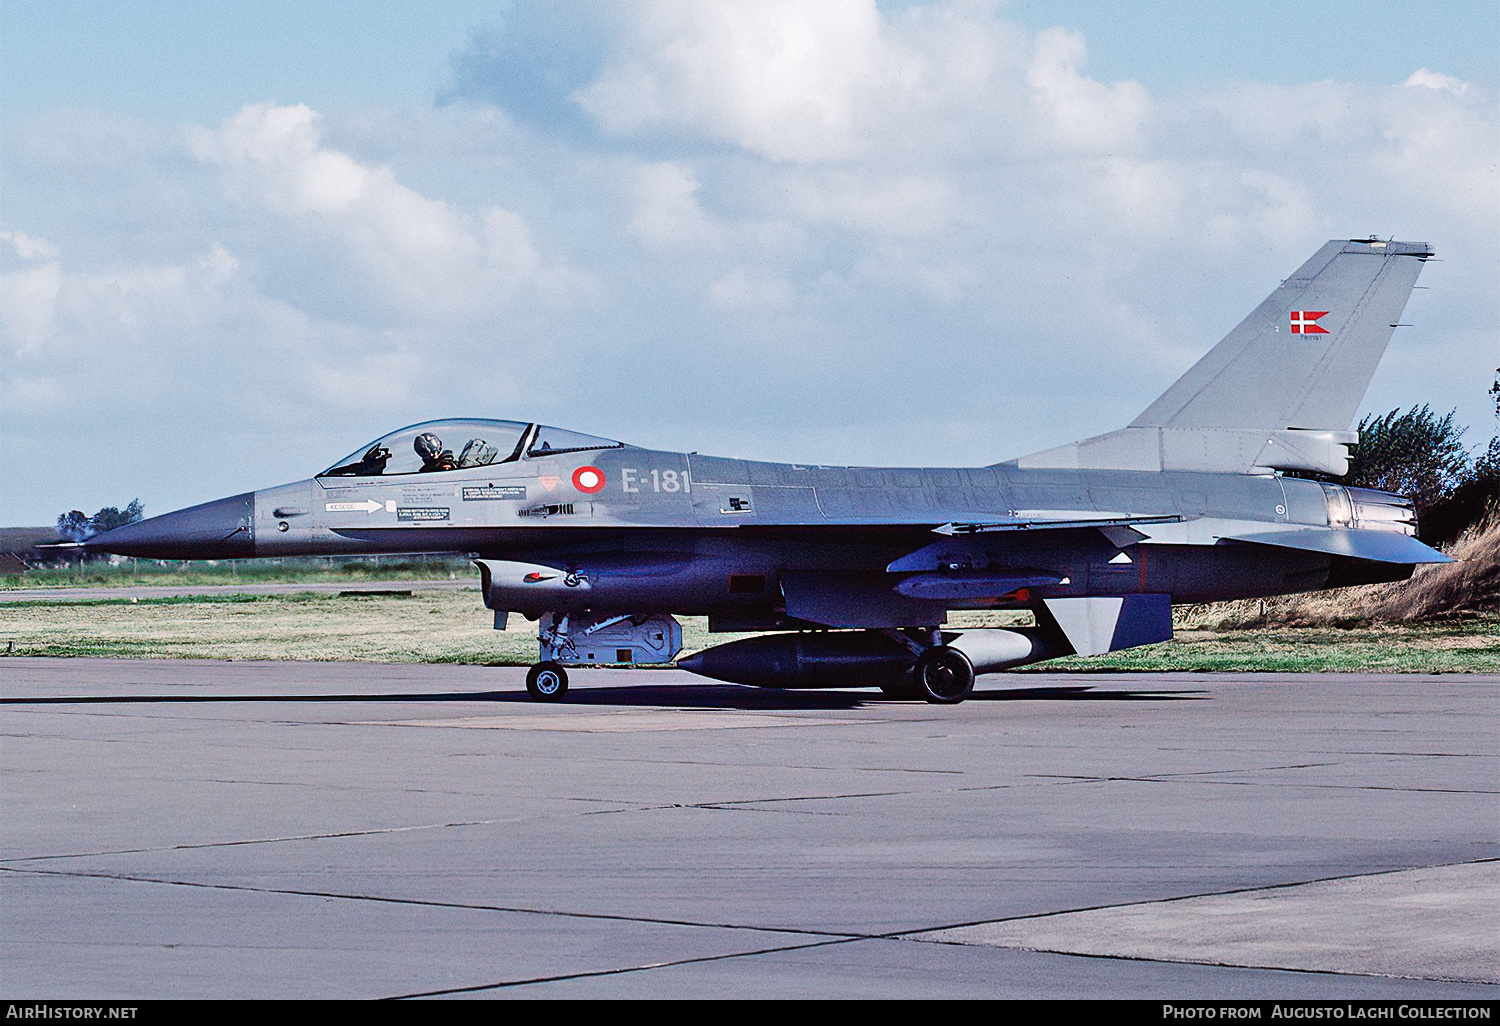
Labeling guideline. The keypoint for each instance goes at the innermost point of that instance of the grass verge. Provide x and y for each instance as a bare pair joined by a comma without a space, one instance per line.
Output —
128,572
450,626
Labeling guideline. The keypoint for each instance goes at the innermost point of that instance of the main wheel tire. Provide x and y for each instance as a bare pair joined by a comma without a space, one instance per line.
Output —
945,675
547,682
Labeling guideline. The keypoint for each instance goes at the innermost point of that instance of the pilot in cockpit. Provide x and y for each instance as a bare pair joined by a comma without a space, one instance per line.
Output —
434,457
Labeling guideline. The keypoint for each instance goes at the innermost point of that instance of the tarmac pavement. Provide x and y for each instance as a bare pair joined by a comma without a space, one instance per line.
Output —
278,829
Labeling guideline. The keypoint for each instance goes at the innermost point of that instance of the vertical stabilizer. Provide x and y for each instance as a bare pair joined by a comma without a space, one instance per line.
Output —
1280,390
1306,355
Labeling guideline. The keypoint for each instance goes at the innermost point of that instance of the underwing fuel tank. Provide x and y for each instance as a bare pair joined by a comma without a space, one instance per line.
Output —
841,659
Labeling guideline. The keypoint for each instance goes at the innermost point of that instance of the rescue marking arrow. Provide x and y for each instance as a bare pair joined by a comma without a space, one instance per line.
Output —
368,506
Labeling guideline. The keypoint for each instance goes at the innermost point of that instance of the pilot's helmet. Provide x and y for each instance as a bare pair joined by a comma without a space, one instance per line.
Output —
428,446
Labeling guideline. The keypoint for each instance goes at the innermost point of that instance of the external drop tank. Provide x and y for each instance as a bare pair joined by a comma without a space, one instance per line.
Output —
837,659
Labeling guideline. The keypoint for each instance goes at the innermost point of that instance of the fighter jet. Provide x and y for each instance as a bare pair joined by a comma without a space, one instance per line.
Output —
850,573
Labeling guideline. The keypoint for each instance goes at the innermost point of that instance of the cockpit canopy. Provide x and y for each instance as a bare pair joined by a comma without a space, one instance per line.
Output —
440,445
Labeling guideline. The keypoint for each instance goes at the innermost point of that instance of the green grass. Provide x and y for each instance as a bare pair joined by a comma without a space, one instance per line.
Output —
451,626
428,626
294,570
1467,646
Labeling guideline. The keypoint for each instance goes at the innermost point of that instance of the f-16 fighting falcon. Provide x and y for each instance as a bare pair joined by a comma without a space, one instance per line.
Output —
851,572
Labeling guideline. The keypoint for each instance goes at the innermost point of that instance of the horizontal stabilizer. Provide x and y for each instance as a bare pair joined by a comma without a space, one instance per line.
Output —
1280,390
1381,546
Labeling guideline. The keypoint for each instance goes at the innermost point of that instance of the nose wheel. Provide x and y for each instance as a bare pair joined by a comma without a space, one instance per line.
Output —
547,682
944,675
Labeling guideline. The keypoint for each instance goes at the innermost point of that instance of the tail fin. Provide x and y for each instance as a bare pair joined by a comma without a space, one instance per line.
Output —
1280,390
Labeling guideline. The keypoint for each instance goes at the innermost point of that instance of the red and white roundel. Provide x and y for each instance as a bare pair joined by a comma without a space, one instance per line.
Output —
588,480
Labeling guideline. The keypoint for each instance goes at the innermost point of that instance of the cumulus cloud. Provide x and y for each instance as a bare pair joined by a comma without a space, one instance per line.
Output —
28,248
781,78
28,294
667,214
45,309
146,332
833,232
427,258
1434,80
1078,112
840,80
742,289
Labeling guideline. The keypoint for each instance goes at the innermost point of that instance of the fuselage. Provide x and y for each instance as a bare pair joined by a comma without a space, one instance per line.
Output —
732,539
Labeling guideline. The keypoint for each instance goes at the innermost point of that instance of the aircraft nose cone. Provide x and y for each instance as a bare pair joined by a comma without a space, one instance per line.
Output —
222,529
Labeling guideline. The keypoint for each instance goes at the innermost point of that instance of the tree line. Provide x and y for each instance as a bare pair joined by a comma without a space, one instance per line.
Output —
1422,456
76,525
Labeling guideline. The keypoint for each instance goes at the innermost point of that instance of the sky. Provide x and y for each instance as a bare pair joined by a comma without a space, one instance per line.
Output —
239,240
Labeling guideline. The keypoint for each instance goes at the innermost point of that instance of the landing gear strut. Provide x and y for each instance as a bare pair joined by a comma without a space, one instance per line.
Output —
547,682
944,675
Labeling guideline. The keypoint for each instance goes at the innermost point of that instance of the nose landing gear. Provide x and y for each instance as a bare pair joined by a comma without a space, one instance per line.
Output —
594,638
547,682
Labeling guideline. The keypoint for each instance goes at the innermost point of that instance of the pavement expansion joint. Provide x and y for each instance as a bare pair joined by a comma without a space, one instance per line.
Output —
1245,769
805,798
1439,923
1182,778
733,807
837,935
260,840
620,970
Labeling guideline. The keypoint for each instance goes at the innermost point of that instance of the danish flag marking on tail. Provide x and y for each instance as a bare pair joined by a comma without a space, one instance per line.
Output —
1305,322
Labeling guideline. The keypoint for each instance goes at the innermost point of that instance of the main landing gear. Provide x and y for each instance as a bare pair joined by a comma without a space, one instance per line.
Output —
547,682
944,675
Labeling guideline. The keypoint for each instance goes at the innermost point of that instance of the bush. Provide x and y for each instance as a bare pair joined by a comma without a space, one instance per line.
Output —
109,518
1415,454
75,525
1422,456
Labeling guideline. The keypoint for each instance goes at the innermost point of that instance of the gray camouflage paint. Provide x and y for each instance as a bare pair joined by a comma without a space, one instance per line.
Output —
1185,503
